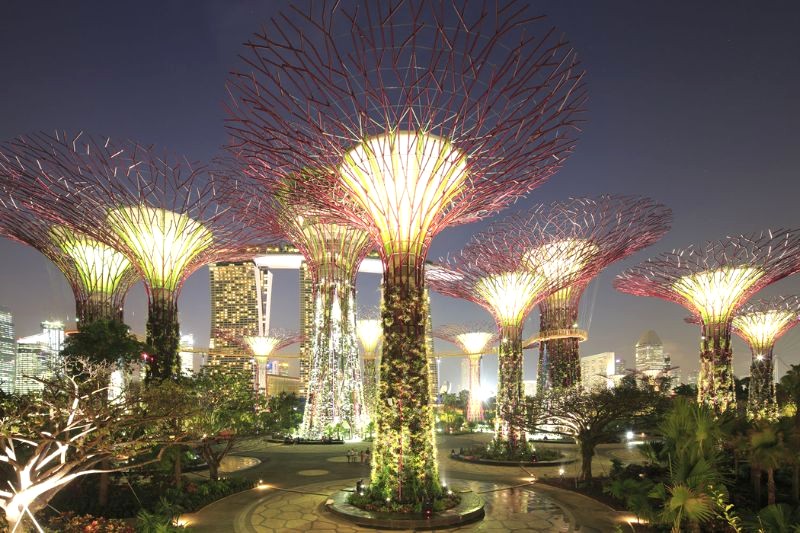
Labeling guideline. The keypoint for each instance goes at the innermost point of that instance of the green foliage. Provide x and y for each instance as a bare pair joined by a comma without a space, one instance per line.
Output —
282,414
780,518
103,341
369,502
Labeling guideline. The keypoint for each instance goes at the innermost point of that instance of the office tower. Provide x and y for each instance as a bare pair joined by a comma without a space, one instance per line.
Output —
598,371
8,351
32,357
650,357
241,293
306,325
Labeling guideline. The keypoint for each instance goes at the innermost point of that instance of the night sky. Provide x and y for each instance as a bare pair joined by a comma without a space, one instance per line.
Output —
694,104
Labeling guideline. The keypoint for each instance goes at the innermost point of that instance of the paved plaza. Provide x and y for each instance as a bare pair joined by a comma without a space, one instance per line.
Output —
296,481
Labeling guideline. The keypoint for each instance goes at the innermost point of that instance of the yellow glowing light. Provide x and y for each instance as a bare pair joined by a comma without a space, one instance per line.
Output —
559,260
714,293
474,342
99,266
404,180
370,333
262,347
510,294
761,329
164,242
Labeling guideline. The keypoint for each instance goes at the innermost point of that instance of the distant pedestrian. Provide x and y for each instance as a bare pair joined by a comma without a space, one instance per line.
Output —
348,456
361,455
366,455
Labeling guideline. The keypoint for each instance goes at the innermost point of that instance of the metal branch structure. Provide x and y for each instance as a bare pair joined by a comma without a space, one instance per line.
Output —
761,323
333,253
474,340
713,281
262,347
424,114
507,272
99,276
370,335
161,211
594,232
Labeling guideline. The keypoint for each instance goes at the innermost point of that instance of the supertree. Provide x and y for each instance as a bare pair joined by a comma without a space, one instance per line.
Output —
161,211
474,340
98,275
370,334
333,253
594,232
507,272
713,281
262,347
760,324
426,114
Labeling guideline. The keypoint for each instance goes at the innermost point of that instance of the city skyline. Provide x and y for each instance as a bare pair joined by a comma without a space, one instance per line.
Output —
637,140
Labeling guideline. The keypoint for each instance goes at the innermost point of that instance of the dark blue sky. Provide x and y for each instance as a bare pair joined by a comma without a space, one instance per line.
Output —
692,103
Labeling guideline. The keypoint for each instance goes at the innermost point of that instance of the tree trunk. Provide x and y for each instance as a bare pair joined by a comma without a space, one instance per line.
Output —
770,486
163,335
761,401
715,384
177,469
559,314
587,454
404,460
755,475
510,396
796,483
105,481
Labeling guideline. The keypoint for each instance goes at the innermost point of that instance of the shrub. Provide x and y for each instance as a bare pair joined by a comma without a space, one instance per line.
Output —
71,523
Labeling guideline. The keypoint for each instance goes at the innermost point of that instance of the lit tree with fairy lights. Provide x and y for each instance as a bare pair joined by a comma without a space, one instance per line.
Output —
474,341
506,272
99,275
713,281
425,115
161,211
370,334
594,232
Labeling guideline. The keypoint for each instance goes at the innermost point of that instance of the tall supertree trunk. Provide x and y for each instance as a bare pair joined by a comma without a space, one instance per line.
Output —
371,379
715,384
474,407
404,463
335,392
761,401
163,335
510,394
560,313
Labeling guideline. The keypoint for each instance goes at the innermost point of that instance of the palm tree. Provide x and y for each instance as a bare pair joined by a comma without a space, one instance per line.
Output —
789,388
779,518
767,453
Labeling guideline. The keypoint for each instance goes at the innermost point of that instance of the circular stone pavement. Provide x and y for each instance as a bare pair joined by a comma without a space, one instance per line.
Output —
302,509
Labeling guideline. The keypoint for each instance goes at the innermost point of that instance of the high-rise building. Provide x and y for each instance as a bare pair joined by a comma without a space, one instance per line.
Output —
8,351
278,368
241,294
600,371
53,332
31,363
650,357
306,325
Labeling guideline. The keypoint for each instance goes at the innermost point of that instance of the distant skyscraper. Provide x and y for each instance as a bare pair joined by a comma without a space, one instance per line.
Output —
31,363
278,368
54,334
650,357
8,351
241,293
306,324
599,371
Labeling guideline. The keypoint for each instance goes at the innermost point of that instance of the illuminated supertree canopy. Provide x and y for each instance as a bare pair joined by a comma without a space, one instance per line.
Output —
333,253
507,272
590,233
425,114
761,323
474,341
161,211
712,282
98,275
